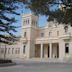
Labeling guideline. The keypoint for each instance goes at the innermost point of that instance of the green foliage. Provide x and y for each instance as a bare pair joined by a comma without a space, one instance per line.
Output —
7,28
43,7
2,61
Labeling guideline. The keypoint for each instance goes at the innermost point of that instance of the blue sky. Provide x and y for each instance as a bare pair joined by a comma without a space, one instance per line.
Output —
42,19
22,9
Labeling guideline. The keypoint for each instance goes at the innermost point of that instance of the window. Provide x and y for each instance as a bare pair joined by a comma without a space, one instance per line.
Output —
24,34
66,47
66,29
28,21
9,51
18,50
42,34
50,25
24,22
24,49
2,50
50,34
57,33
12,50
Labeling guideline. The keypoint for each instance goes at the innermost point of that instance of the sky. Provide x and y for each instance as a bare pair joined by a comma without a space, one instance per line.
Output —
23,10
42,19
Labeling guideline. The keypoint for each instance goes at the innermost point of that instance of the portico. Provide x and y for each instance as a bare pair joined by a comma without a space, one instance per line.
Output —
50,50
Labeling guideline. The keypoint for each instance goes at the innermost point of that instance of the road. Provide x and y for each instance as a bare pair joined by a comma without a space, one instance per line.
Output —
38,67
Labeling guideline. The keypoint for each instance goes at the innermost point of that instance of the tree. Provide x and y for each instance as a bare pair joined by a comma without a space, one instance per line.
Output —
42,7
7,28
59,10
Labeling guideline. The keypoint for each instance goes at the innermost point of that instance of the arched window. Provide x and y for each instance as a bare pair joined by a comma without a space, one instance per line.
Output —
28,21
24,22
12,50
42,34
50,34
66,47
9,51
66,29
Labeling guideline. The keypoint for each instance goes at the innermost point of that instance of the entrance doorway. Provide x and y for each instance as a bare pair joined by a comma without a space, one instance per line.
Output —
37,50
55,50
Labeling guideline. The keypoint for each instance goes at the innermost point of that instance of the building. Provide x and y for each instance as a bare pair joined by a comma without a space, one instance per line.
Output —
54,41
10,51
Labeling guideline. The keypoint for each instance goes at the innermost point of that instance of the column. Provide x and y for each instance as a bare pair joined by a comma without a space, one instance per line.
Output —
41,55
50,45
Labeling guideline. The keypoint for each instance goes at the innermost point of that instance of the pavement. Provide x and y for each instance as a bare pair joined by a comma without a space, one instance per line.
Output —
36,66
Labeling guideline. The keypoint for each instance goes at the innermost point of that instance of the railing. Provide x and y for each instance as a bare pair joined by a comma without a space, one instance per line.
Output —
66,36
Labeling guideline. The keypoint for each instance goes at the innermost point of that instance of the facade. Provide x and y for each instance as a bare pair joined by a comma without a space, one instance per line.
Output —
54,41
10,51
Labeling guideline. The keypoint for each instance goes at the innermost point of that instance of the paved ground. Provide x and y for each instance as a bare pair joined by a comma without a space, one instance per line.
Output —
38,67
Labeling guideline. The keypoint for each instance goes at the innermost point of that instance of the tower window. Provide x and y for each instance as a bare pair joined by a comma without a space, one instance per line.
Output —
28,21
24,34
66,47
24,23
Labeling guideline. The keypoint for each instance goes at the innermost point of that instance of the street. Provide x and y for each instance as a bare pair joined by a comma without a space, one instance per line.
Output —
38,67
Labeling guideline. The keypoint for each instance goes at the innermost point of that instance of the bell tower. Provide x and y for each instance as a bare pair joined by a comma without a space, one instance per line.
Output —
29,20
29,31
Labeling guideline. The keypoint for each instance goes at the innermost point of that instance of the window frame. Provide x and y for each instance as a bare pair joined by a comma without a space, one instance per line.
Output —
66,48
42,34
25,34
24,48
50,34
66,29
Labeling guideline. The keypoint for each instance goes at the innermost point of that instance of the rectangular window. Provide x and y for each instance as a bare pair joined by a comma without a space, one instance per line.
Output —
2,50
42,34
24,49
16,51
12,50
66,47
28,21
24,34
50,34
9,51
57,33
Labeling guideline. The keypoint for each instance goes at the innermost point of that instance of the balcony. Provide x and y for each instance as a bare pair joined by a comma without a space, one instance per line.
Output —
66,36
46,40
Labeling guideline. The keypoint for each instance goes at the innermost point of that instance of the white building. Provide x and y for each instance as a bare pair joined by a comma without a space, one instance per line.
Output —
54,41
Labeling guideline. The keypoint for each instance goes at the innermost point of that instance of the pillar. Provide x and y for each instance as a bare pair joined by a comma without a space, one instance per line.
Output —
50,45
41,55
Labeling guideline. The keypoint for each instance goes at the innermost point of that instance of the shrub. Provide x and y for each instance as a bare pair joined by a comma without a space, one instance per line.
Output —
2,61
